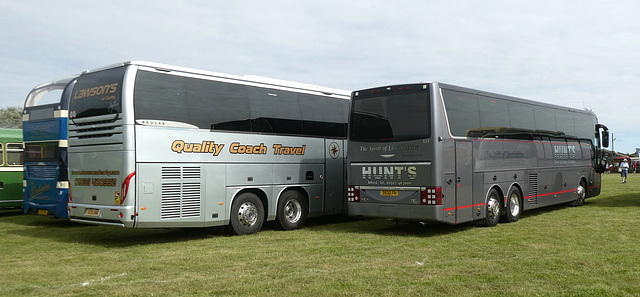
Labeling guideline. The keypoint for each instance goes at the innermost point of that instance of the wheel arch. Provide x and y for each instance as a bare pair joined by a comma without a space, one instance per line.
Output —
300,189
586,183
256,191
519,187
501,193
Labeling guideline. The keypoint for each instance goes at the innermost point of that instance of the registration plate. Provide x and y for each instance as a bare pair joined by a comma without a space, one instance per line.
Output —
92,212
388,193
43,212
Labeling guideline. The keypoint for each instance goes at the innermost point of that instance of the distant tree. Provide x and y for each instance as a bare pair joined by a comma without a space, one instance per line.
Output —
11,117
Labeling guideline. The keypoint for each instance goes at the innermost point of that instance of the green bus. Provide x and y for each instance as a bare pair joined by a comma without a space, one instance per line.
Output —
11,160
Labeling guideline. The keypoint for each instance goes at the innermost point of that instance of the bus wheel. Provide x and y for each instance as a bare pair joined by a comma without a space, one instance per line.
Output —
247,214
513,207
492,215
292,210
581,192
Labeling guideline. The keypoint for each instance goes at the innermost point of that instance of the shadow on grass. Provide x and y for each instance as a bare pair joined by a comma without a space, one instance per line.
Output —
63,230
625,200
544,210
345,224
9,212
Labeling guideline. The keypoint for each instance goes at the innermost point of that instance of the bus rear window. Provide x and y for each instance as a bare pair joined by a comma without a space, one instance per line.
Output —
98,93
41,152
391,117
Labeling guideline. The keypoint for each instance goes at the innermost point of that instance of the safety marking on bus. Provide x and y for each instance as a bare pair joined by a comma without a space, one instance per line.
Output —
463,207
548,194
527,197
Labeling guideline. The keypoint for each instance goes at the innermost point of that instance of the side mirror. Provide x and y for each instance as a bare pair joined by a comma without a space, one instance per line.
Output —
605,138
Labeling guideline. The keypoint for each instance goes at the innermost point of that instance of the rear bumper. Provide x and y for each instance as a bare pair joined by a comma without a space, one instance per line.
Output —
58,210
397,211
123,216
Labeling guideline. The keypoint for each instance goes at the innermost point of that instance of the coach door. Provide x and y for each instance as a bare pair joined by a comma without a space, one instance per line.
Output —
334,178
464,181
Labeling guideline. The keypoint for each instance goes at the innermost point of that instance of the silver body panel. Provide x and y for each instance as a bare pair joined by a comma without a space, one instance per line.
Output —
176,175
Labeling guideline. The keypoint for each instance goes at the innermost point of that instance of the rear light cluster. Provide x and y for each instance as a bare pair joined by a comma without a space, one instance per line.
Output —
431,196
353,194
124,190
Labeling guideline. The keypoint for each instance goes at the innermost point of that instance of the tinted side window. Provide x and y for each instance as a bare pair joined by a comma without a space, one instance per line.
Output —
521,116
202,103
274,111
462,112
564,120
161,97
585,126
494,113
545,119
323,116
587,149
218,105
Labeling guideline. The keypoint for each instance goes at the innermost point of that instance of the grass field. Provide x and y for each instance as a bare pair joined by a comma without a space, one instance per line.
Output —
593,250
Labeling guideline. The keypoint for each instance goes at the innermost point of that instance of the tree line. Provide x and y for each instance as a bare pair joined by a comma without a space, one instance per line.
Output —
11,117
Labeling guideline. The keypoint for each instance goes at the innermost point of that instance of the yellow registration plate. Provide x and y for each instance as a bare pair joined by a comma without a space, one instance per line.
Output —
388,193
92,212
43,212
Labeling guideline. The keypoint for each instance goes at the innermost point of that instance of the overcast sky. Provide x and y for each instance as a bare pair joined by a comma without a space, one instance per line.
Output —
581,54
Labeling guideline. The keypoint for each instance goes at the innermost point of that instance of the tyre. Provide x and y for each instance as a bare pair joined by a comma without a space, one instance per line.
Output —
581,193
247,214
492,215
292,210
513,207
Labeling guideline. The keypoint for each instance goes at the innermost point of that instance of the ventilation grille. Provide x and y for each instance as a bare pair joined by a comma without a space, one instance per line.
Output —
533,189
171,172
180,192
96,132
96,129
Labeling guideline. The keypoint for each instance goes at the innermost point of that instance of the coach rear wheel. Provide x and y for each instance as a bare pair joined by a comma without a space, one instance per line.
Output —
292,210
247,214
581,193
493,208
514,206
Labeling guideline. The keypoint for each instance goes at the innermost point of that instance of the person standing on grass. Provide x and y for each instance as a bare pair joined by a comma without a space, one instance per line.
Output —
624,170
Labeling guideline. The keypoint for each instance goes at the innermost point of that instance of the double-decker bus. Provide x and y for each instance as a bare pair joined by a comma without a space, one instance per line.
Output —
11,156
44,127
434,152
159,146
